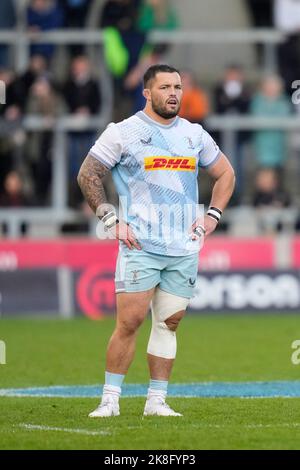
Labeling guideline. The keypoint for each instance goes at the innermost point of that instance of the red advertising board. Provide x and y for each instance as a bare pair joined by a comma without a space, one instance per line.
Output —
219,253
74,253
92,265
296,252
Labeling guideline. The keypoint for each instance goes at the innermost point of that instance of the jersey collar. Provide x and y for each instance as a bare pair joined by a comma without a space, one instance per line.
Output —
149,120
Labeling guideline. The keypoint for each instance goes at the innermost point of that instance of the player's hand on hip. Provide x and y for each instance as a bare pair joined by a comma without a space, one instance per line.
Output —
210,225
204,228
125,233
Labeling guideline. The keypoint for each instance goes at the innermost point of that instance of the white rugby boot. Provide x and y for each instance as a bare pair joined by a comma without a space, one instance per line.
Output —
109,406
156,406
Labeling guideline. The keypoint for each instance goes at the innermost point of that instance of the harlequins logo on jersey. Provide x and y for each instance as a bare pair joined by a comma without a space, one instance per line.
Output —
190,142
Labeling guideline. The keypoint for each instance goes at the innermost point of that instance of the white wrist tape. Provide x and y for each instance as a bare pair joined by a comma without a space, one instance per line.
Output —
214,213
162,342
110,219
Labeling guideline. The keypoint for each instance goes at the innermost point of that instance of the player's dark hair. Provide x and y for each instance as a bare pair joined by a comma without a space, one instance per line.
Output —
155,69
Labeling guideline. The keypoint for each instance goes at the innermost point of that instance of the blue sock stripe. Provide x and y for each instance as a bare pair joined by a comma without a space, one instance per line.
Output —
158,385
114,379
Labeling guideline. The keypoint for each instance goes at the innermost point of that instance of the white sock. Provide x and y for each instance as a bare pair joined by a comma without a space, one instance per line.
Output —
113,391
156,394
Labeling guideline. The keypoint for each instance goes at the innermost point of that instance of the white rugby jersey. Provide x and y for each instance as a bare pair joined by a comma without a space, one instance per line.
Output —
155,168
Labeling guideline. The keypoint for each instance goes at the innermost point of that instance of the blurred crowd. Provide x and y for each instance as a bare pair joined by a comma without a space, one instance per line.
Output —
26,157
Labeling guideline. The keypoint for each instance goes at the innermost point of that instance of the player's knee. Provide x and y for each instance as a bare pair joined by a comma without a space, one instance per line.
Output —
130,326
173,321
162,340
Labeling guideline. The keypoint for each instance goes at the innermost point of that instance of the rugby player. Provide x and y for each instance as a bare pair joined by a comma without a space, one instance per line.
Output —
154,157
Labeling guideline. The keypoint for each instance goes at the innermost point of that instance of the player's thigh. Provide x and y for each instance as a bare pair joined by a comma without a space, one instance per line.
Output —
137,275
133,307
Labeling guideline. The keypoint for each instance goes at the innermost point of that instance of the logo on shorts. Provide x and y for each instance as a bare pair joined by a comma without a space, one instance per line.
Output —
134,277
192,282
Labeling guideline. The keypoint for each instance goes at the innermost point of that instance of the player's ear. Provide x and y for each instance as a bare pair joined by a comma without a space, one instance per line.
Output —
147,94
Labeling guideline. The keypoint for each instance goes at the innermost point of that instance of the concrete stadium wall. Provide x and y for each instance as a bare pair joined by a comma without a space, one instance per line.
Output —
208,61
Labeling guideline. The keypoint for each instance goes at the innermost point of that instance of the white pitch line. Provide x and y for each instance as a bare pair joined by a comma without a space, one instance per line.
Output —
36,427
222,426
249,426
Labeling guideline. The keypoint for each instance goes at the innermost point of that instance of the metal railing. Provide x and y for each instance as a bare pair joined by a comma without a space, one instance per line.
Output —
228,126
59,212
268,38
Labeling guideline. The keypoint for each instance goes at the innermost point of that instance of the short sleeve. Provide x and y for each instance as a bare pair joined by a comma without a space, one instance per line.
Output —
109,146
210,152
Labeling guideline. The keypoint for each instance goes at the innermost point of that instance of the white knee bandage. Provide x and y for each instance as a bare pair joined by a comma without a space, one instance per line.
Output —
162,342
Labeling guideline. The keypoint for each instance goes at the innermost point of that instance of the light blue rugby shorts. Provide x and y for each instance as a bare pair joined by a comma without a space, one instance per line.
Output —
138,271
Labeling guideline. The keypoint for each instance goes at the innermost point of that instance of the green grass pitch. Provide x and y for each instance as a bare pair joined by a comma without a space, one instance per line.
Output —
43,352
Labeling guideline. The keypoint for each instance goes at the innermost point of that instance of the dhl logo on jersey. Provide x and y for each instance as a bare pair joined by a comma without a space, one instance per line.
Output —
170,163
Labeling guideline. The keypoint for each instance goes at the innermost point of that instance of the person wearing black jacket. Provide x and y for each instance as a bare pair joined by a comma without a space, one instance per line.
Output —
232,97
83,98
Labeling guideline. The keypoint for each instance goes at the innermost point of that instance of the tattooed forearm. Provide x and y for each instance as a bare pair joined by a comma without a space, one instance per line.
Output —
89,180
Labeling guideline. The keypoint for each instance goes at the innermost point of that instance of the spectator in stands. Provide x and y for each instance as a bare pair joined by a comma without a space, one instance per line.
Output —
133,83
38,67
11,110
75,13
6,157
13,194
83,98
157,14
287,20
44,15
123,44
261,12
232,94
10,122
7,21
152,14
270,144
43,101
81,90
122,15
270,198
232,97
195,103
268,190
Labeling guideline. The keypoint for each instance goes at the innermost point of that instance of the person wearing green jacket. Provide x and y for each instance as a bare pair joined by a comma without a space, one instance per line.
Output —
157,14
270,145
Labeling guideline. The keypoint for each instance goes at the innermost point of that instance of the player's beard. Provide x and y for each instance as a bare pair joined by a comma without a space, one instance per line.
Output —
160,109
